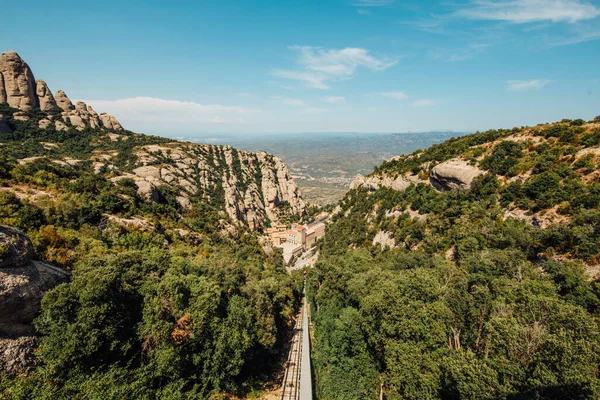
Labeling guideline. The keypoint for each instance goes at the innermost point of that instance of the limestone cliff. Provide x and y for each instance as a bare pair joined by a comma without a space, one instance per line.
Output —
20,90
250,187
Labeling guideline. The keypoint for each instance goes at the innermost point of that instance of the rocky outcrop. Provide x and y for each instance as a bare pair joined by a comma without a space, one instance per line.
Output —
23,283
401,182
19,89
384,239
82,116
45,98
453,174
449,175
63,102
110,122
18,82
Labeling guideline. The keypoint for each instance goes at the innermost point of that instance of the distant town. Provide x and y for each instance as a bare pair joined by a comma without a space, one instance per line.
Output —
299,238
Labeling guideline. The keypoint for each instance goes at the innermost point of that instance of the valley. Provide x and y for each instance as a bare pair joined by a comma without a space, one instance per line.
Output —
324,164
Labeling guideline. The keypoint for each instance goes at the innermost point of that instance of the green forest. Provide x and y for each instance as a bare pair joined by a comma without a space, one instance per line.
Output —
469,303
178,306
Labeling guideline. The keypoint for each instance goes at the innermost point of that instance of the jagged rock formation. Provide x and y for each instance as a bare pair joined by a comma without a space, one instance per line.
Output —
23,283
18,84
47,101
63,101
110,122
19,89
251,187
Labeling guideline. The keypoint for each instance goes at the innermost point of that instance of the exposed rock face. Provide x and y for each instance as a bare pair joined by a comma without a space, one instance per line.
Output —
23,283
63,102
81,117
4,127
400,183
250,187
453,174
384,239
18,82
110,122
45,98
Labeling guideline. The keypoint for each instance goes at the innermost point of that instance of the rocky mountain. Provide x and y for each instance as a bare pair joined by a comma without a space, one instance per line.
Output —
470,269
252,189
20,90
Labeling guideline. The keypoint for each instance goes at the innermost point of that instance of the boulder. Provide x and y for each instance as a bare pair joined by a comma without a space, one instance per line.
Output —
23,283
45,98
453,174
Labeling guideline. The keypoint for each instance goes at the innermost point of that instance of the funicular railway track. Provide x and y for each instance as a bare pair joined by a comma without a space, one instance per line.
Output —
291,380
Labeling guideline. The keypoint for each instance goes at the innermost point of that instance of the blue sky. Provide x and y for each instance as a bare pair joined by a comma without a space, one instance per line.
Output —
180,68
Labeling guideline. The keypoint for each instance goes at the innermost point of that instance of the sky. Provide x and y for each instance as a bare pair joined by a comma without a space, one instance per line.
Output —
184,68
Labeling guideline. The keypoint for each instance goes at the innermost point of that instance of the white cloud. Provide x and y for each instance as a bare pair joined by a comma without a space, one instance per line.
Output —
363,12
423,103
525,11
524,85
148,113
395,95
310,79
373,3
319,65
290,101
334,99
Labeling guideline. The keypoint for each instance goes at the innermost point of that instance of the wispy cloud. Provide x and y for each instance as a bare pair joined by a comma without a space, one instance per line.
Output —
373,3
526,11
334,99
579,33
395,95
363,11
525,85
150,113
423,103
318,65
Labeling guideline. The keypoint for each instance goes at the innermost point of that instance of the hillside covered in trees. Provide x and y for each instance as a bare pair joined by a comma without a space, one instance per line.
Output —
433,283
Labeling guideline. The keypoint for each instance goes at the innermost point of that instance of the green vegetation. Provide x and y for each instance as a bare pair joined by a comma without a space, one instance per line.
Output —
468,303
